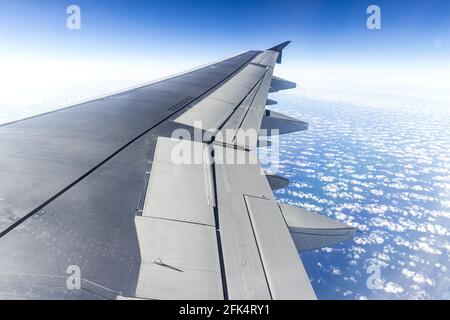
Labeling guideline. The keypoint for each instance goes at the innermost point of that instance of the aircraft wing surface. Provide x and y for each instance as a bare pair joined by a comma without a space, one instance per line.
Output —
156,193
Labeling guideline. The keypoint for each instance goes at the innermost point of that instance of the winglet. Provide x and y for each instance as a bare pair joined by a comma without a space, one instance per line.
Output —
279,48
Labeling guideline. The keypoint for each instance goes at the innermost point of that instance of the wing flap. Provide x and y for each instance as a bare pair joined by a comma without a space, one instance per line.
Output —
179,261
177,229
284,270
257,266
243,127
254,116
213,111
267,58
178,189
207,114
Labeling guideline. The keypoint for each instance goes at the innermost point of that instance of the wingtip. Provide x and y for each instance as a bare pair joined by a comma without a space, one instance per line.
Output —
280,47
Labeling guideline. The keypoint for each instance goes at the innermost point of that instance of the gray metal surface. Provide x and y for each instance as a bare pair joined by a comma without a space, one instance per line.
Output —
242,128
279,84
72,180
95,187
177,229
66,145
255,114
267,58
260,259
276,182
313,231
179,261
180,190
231,128
214,110
242,263
281,123
271,102
207,114
284,270
90,226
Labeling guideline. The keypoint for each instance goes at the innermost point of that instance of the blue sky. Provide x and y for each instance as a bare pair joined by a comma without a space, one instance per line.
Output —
326,34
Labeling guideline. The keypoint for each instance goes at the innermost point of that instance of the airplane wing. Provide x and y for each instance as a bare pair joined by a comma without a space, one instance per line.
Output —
109,199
